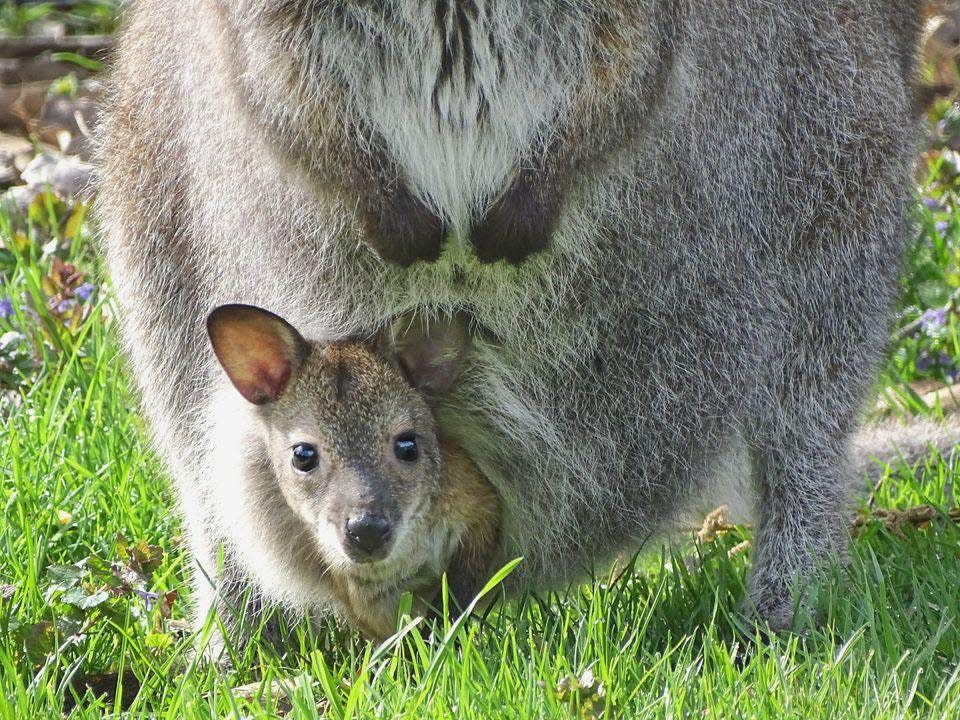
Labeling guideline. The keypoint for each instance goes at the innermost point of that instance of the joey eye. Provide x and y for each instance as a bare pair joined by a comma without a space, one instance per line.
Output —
305,457
405,447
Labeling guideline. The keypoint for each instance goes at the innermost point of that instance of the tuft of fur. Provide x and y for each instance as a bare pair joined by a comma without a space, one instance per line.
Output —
678,227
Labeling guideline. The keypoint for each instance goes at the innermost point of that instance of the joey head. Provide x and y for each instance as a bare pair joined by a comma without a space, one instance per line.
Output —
347,433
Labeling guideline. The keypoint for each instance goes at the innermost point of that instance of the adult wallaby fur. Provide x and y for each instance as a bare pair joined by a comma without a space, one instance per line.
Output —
336,443
677,225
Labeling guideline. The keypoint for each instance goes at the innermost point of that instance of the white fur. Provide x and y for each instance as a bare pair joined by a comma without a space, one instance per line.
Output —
457,140
235,491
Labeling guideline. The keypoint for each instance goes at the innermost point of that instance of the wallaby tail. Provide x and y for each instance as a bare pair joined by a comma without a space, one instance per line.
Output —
894,441
877,444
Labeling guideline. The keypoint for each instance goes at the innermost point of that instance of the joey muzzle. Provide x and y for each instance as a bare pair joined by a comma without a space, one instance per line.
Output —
367,536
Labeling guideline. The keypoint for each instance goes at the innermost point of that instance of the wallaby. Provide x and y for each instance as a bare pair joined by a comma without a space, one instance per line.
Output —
340,437
677,226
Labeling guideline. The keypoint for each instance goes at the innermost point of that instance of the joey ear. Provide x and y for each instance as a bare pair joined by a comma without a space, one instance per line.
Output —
259,351
431,353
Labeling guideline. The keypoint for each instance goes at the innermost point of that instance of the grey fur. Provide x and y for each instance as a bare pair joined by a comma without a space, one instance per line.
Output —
728,183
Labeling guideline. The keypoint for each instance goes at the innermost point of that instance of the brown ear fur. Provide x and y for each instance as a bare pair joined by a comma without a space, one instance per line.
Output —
260,352
431,353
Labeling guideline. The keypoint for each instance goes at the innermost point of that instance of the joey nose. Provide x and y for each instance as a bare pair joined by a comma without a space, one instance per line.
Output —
368,533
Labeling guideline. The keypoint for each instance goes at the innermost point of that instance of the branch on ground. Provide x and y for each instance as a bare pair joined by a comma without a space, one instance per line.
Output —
920,516
30,45
895,520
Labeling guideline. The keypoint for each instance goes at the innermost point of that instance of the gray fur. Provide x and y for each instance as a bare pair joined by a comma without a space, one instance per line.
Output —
732,181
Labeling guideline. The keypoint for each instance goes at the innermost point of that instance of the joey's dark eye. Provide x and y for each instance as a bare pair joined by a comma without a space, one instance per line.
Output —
305,457
405,447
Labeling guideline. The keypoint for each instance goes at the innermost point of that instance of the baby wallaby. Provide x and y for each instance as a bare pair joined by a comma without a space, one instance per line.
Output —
348,430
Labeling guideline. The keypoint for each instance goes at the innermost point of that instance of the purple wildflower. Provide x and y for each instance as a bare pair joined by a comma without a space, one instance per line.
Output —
6,308
933,319
941,226
924,361
930,202
149,598
64,306
948,366
85,291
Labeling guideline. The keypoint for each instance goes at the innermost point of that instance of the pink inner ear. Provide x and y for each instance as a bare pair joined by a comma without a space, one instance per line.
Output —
256,349
257,365
267,382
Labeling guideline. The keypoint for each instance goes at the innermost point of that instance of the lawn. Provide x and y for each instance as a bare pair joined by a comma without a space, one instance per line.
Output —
94,588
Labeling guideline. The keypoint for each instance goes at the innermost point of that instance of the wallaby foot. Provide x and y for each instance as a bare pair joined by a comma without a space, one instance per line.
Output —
802,526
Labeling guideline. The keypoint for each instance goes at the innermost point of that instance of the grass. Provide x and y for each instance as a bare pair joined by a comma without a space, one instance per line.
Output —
90,16
658,638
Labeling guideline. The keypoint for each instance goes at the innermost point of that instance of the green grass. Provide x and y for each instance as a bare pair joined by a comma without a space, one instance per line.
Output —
89,16
660,638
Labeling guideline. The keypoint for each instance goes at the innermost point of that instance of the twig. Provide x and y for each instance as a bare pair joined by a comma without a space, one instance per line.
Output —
44,68
20,47
895,520
716,523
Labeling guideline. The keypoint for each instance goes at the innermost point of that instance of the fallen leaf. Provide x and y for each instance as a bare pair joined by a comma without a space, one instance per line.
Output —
715,523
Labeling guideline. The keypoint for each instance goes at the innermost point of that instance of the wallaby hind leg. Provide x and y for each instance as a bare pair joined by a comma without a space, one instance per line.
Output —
802,486
807,410
235,607
825,321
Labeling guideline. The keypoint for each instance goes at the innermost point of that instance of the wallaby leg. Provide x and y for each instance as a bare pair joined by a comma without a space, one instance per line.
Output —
399,227
801,481
235,607
470,500
521,222
826,322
